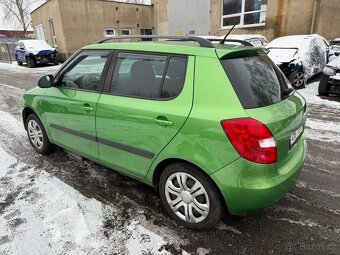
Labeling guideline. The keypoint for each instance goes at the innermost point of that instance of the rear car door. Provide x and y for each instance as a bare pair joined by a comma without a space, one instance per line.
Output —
71,104
146,102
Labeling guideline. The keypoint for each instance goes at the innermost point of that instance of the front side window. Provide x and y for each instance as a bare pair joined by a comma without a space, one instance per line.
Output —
243,12
148,76
86,73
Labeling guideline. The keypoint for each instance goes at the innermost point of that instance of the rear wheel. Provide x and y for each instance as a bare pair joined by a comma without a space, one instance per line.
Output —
189,196
37,135
323,85
299,81
31,63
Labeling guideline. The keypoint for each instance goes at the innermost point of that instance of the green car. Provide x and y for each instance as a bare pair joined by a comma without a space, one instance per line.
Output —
214,128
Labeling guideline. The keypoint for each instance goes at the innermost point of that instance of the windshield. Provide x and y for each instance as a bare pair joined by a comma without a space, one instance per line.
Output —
36,44
257,81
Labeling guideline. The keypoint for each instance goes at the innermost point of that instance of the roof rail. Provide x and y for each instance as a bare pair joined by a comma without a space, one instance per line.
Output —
244,43
201,41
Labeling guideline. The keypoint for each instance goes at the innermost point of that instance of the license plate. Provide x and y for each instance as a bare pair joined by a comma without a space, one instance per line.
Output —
295,136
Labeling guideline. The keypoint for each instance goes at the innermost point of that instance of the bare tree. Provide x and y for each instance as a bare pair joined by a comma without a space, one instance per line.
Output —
18,10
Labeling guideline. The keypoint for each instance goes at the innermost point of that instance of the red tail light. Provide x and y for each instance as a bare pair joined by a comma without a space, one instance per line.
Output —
252,140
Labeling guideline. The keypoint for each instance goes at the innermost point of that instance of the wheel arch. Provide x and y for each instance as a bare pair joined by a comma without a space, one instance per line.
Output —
26,112
161,166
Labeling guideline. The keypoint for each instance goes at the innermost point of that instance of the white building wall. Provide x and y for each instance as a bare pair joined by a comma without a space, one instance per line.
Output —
189,17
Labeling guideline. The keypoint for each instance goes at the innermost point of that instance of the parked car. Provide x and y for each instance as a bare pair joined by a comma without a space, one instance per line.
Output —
299,56
330,80
211,128
35,52
335,44
2,36
254,39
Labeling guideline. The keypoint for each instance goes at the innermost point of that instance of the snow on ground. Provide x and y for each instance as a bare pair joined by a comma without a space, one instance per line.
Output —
40,214
320,129
310,93
14,68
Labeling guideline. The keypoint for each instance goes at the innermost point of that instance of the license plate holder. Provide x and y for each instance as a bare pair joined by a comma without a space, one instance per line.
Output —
295,136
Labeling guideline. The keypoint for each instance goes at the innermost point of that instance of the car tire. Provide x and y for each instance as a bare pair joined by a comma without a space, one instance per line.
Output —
31,63
37,135
18,61
299,81
323,86
177,199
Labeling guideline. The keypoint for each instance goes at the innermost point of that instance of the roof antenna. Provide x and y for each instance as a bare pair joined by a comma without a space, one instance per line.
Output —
222,42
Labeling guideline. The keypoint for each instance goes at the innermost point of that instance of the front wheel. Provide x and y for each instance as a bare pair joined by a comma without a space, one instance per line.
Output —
37,135
18,61
189,196
323,86
299,81
31,63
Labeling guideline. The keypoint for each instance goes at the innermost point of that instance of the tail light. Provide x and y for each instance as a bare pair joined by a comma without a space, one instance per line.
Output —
252,140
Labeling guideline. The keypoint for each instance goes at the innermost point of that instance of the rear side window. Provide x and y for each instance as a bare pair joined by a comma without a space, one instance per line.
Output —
257,81
148,76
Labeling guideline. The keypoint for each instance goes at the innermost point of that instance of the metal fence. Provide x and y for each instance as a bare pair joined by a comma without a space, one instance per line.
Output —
7,49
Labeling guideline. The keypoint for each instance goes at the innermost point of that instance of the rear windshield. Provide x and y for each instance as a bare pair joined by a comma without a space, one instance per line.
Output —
257,81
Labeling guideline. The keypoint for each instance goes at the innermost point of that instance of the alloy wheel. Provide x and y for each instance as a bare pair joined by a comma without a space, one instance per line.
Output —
299,79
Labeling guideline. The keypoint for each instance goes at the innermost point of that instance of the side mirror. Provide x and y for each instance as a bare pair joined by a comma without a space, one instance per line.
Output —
46,81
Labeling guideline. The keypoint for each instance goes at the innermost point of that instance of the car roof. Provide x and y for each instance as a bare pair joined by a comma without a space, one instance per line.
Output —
173,47
292,41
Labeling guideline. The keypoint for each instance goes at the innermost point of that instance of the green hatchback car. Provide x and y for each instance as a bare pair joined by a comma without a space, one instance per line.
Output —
210,126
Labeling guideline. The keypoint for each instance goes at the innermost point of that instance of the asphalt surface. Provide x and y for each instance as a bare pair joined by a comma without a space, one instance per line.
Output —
305,221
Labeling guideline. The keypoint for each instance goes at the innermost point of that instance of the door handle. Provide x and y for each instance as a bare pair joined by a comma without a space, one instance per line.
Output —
87,108
163,121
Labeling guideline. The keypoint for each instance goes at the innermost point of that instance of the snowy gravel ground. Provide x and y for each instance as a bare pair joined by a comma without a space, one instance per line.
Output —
62,204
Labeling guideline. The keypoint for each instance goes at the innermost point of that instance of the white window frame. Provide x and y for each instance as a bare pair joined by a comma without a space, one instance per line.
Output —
241,15
40,32
109,28
52,31
127,29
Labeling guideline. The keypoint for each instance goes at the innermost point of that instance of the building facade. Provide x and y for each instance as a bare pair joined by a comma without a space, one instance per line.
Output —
271,18
73,24
275,18
70,25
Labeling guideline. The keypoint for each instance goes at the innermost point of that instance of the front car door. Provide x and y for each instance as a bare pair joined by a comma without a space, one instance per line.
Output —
70,105
148,101
21,52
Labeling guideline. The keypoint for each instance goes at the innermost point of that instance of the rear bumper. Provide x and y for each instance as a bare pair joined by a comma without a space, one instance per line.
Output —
249,187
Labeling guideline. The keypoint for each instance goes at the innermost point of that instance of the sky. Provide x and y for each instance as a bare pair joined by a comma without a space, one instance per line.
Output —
12,25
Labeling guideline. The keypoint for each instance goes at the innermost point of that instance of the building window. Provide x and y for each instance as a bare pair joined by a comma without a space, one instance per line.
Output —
126,31
53,36
110,32
243,13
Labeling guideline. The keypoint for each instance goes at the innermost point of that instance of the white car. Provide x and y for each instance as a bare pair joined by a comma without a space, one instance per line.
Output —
330,80
300,57
255,40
